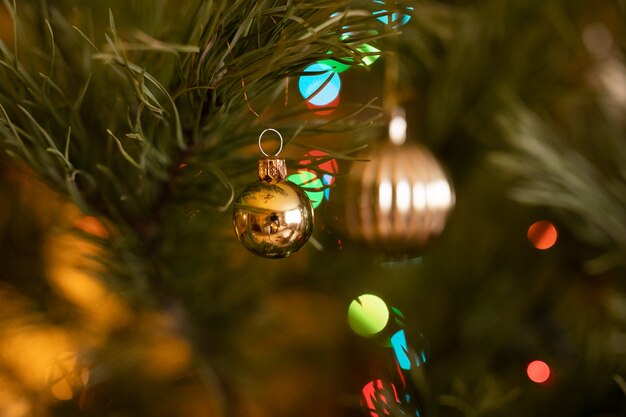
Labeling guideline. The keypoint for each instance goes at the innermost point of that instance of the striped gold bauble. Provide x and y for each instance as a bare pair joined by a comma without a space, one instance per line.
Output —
398,201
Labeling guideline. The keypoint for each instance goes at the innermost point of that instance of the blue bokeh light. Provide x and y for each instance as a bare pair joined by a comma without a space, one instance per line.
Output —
401,349
322,86
405,357
398,19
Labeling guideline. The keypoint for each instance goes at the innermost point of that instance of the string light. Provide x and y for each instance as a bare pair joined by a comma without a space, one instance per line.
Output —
375,400
538,371
311,184
368,315
542,234
319,84
329,166
396,18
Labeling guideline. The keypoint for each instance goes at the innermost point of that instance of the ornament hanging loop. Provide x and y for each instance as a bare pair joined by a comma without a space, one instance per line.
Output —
261,139
272,169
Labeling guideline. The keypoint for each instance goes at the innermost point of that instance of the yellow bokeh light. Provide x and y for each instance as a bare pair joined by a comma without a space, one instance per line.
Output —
167,356
368,315
13,400
62,391
31,351
72,274
67,378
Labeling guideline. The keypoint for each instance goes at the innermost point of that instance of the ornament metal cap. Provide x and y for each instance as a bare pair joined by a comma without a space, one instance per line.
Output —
272,170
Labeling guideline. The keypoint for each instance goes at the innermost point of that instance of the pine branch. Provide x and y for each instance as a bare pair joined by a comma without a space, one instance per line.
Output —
108,111
552,173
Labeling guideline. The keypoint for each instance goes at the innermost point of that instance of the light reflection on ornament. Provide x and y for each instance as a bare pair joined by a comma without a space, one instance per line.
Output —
311,184
385,194
538,371
397,129
398,19
542,234
368,315
293,216
403,196
438,194
419,196
319,84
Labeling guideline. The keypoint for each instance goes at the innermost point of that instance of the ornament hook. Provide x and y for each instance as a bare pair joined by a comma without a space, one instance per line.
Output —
261,138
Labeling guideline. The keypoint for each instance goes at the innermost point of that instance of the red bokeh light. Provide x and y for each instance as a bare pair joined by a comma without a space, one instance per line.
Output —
92,226
375,400
327,108
330,166
542,234
538,371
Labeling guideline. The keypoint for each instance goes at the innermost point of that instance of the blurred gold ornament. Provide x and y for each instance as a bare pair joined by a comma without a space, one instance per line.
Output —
6,26
396,203
273,218
68,376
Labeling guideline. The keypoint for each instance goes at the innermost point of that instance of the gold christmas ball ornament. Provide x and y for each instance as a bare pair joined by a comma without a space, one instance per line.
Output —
396,203
273,217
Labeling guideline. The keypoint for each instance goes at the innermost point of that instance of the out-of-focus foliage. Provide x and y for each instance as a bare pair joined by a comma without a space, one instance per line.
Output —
124,292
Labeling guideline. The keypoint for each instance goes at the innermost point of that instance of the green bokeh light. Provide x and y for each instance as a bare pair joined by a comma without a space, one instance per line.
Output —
340,66
368,315
311,184
369,49
337,66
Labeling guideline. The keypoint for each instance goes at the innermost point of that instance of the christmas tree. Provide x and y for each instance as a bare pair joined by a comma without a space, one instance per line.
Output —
129,129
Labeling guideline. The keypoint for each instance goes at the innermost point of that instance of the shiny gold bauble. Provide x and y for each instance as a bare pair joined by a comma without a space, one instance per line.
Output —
273,217
396,203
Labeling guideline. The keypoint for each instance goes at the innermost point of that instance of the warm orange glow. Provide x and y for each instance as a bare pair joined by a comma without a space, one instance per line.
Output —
62,391
13,400
166,356
6,26
542,234
31,352
67,378
74,276
92,226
